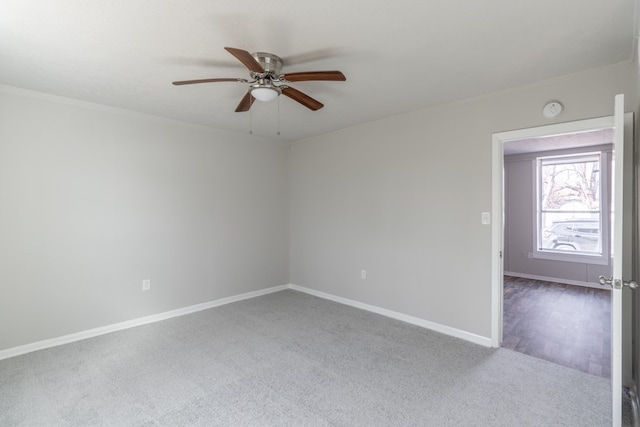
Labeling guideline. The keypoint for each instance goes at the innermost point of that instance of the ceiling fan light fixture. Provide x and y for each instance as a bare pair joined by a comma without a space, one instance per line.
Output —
264,93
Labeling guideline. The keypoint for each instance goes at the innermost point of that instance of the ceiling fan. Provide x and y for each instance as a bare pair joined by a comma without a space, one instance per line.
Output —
267,83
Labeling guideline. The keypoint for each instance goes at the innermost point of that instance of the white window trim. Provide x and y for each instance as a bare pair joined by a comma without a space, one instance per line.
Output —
605,212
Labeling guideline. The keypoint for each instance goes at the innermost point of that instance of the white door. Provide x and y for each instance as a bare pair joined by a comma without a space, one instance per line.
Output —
620,250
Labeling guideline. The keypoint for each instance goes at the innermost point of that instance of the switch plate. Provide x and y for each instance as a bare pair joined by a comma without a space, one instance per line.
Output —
486,218
363,274
146,285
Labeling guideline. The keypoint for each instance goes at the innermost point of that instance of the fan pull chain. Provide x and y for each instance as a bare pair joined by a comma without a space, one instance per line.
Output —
250,121
278,116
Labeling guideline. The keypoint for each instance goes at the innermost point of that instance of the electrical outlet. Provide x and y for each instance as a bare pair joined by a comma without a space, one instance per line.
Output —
146,285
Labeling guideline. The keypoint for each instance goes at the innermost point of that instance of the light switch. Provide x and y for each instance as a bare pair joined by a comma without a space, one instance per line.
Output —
486,218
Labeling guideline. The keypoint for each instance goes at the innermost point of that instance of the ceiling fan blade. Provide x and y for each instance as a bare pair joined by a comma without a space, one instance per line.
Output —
315,75
302,98
245,103
246,58
190,82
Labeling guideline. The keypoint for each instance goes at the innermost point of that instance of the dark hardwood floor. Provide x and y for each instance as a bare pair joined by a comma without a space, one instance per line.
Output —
565,324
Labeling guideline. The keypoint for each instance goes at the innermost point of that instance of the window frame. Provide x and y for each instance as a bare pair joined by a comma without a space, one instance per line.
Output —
604,257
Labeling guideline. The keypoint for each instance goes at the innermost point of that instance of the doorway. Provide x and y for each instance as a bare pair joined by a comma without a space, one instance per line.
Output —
534,140
556,245
621,308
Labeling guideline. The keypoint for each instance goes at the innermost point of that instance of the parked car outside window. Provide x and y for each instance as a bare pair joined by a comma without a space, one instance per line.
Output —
581,235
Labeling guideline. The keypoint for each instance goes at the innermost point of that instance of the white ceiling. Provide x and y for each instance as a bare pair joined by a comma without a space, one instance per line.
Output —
397,56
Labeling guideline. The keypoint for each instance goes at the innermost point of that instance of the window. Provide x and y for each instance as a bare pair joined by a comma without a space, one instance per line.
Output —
572,213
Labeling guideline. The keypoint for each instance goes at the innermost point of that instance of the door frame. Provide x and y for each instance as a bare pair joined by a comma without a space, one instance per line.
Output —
497,227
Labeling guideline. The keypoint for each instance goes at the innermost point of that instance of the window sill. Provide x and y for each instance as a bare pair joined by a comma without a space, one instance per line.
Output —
571,257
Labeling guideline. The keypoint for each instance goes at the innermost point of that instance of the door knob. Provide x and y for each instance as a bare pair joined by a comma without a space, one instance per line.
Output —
617,284
604,281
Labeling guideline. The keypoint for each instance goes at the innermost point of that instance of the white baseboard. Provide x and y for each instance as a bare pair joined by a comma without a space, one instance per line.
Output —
555,280
447,330
90,333
53,342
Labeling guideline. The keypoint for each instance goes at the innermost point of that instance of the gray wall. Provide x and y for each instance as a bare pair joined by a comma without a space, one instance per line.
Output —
520,217
402,198
93,201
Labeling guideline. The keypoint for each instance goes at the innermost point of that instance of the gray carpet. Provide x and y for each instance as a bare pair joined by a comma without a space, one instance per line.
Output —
292,359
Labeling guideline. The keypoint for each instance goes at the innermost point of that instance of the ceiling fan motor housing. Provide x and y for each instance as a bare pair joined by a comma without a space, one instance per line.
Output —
271,63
